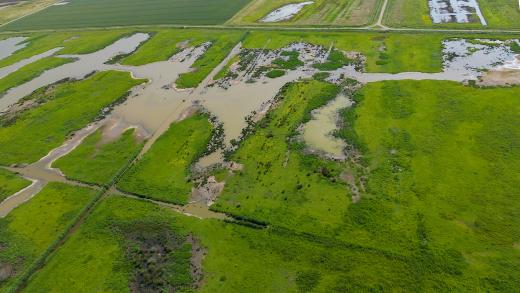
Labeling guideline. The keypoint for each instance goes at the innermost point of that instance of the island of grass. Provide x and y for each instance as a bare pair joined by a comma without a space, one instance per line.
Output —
10,184
163,173
50,115
99,162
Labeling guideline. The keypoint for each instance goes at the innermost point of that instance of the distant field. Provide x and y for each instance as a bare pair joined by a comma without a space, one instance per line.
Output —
21,8
322,12
411,13
100,13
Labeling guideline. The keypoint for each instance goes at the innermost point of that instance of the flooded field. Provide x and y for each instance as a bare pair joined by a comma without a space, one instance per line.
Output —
241,97
459,11
285,12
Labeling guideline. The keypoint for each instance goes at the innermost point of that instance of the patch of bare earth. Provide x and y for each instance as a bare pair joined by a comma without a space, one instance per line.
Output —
501,77
197,256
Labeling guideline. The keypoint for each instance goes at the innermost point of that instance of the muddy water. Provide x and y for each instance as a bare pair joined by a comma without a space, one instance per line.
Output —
318,132
11,45
20,197
77,70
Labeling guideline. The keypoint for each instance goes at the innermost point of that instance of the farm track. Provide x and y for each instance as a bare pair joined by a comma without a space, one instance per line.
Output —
370,28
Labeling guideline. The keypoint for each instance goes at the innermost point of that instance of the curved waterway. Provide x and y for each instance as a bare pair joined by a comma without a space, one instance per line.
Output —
4,71
10,45
84,65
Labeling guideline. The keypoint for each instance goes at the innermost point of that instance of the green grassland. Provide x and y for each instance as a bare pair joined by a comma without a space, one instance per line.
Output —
28,231
385,52
221,44
68,107
99,13
10,184
163,171
72,42
320,13
29,72
99,162
310,198
499,14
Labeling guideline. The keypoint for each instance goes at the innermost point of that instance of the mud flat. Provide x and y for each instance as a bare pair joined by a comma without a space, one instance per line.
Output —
318,132
84,65
285,12
11,45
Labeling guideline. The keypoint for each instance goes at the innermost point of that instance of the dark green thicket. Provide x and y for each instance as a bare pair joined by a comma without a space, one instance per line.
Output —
159,255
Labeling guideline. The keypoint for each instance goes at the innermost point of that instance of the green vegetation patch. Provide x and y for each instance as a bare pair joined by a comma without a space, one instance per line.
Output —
29,230
163,172
11,184
335,60
289,60
444,159
29,135
97,161
407,52
100,13
29,72
221,45
275,73
311,198
143,248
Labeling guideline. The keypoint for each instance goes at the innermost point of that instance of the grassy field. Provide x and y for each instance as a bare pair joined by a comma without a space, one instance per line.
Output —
99,13
10,184
29,72
311,198
503,14
321,12
163,172
68,107
221,44
72,43
277,261
28,231
97,161
22,8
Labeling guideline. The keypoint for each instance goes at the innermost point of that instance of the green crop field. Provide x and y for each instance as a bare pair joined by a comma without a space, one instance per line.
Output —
100,13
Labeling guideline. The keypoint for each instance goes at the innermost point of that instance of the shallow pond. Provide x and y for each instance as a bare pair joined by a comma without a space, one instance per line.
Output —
11,45
285,12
